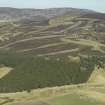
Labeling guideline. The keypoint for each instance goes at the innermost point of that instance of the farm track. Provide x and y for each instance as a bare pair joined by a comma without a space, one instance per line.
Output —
30,39
43,46
95,45
59,52
72,26
90,23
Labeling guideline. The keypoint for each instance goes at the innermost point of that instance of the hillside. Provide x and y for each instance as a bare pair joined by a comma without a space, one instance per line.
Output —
68,37
7,13
41,48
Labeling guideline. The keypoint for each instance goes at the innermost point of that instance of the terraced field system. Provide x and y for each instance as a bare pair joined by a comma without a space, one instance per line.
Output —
52,40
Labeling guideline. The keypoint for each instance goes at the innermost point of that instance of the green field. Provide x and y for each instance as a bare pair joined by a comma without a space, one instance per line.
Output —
74,99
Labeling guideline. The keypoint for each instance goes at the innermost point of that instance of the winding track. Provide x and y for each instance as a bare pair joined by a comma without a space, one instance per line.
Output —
94,44
60,52
32,38
43,46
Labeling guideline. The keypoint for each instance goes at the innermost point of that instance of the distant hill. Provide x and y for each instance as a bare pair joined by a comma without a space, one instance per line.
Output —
13,13
94,16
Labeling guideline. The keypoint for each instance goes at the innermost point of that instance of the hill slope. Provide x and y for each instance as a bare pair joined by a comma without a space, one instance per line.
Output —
7,13
35,42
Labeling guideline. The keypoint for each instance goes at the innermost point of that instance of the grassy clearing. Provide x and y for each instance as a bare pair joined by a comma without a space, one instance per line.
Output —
97,96
4,71
98,76
83,94
74,99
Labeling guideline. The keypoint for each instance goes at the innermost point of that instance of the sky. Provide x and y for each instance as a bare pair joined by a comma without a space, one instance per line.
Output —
97,5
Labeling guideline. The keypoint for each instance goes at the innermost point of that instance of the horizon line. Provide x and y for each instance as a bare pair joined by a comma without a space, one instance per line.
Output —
51,8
